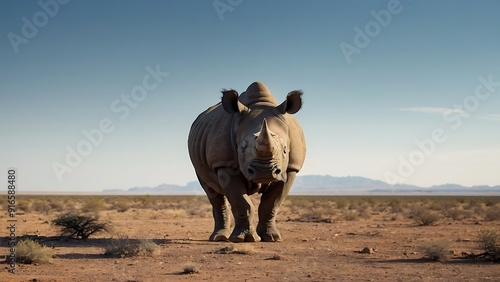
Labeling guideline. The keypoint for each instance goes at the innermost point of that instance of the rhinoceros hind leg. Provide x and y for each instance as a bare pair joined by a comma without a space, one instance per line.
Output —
222,219
220,212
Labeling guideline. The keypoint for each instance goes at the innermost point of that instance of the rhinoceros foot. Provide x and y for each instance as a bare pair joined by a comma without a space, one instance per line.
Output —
220,235
243,235
268,234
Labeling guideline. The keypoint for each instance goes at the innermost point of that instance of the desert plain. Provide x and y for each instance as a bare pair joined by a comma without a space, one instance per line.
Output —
404,238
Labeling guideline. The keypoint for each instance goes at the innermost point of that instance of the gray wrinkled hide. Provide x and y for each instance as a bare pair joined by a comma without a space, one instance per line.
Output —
215,147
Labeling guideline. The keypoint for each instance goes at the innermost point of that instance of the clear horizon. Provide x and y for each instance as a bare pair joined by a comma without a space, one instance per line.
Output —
101,95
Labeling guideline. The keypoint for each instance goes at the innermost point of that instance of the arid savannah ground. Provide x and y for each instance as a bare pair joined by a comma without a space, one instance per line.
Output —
322,240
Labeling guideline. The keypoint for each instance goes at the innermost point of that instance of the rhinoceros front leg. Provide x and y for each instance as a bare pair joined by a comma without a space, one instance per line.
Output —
235,189
270,203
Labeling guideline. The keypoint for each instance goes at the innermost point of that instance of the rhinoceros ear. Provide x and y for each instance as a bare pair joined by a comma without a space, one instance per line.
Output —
292,104
230,102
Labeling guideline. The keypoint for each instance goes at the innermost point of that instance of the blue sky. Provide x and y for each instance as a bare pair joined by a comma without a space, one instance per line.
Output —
420,73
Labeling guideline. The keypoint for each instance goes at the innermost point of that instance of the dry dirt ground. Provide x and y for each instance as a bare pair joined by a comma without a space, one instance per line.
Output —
322,240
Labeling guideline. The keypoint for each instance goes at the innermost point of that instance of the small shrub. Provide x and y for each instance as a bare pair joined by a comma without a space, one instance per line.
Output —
396,205
79,226
342,203
190,268
351,215
492,214
457,214
423,217
175,213
436,251
57,206
25,206
29,251
125,247
489,241
93,204
41,206
120,205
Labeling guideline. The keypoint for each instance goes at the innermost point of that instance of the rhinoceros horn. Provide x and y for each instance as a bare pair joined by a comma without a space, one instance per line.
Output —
263,144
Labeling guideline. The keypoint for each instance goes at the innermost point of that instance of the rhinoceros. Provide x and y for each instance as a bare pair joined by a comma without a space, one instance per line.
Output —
243,145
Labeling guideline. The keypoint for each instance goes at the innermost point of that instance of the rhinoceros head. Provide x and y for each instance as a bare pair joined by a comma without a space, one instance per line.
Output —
261,134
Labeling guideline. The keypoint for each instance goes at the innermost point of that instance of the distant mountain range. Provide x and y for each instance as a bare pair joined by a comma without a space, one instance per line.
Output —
329,185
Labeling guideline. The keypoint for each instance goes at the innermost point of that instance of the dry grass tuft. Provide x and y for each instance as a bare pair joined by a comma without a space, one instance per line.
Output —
244,249
29,251
424,217
191,268
351,215
125,247
436,251
492,214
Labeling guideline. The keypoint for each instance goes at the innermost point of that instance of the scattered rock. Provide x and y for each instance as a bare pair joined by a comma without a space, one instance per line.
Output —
277,257
367,250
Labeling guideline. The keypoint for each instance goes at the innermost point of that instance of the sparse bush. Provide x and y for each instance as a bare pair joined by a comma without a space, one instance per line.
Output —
458,213
342,204
492,214
396,207
436,251
25,206
318,214
191,267
120,205
125,247
351,215
175,213
57,206
93,204
489,241
424,217
480,209
29,251
79,226
41,206
200,210
146,202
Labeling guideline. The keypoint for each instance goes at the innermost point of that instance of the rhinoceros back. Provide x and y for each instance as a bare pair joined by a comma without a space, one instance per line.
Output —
210,145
